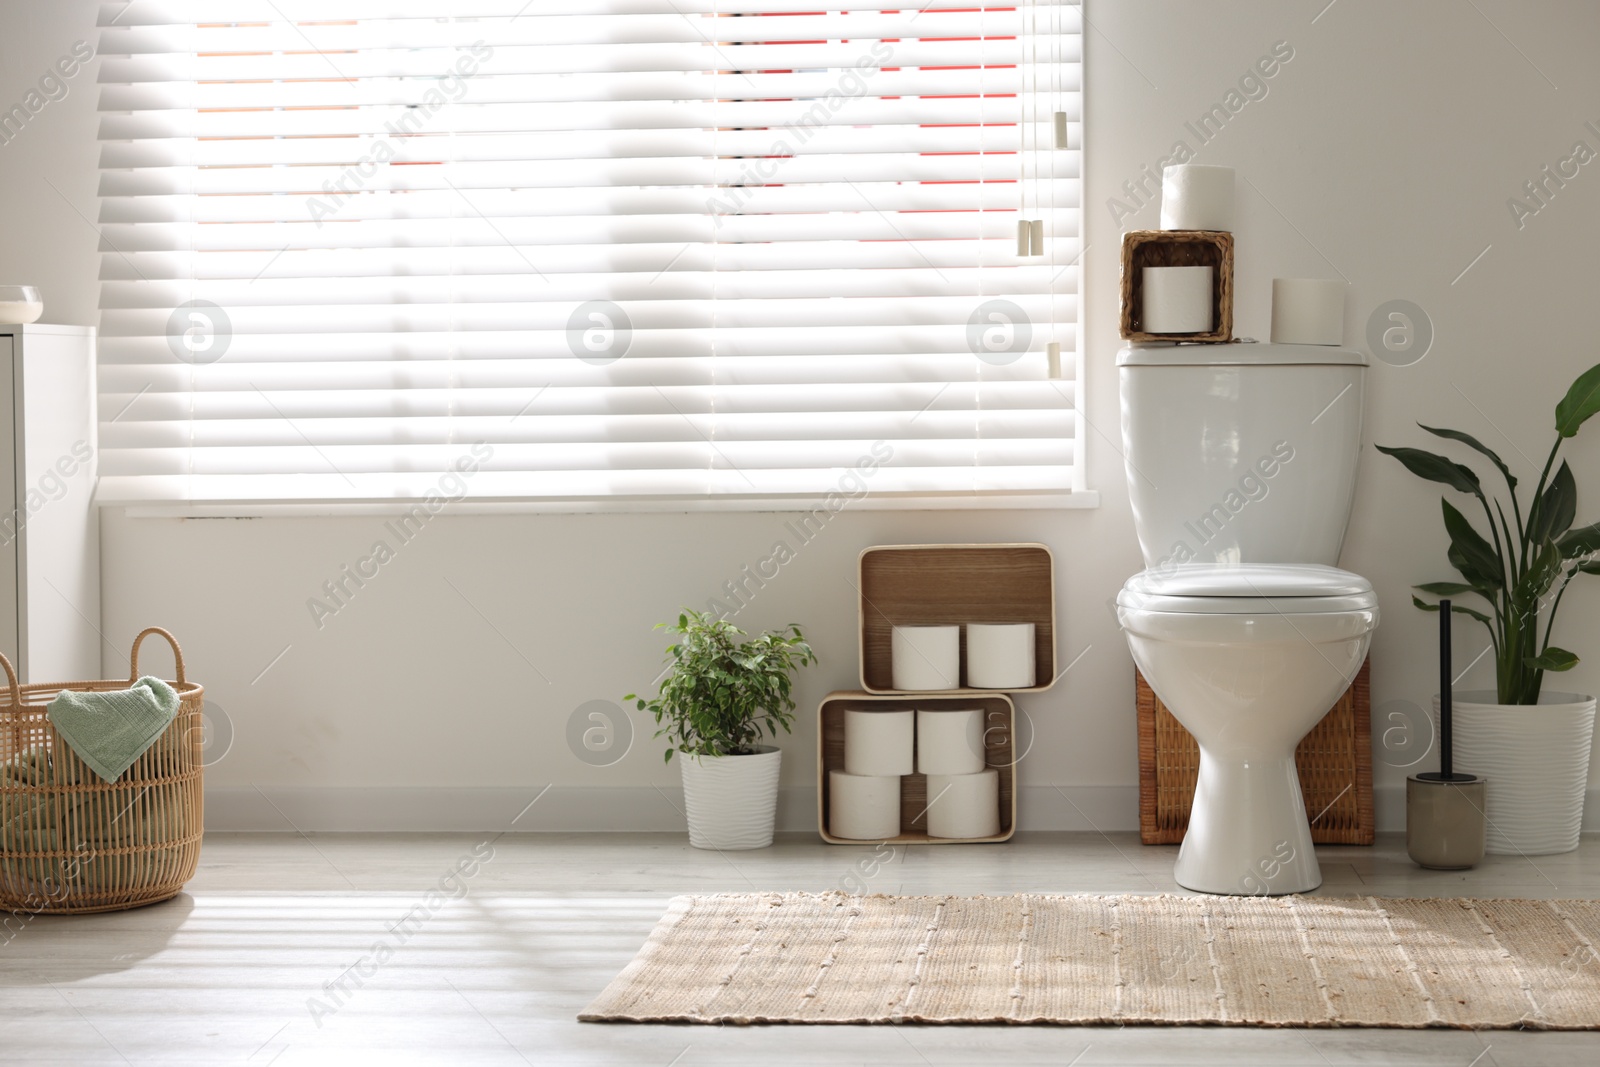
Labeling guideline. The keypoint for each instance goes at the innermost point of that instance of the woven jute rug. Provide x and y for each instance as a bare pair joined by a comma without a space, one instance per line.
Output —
1236,961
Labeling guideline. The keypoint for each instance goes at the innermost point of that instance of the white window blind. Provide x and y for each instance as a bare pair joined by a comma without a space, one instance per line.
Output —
701,250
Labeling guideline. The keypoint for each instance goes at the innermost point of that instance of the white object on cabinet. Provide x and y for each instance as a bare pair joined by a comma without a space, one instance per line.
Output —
49,527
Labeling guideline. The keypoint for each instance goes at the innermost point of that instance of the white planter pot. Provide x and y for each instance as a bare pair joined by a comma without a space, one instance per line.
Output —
732,801
1535,762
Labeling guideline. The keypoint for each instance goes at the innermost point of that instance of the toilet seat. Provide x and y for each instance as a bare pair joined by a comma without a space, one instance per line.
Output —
1248,589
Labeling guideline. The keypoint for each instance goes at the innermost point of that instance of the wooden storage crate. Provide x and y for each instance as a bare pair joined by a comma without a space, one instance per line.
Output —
1176,248
999,716
924,584
1335,763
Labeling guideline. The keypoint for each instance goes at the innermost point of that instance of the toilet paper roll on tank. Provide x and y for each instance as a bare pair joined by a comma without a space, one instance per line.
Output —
1308,311
1196,197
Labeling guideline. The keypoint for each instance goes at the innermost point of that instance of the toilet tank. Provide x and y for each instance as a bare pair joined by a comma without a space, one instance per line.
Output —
1241,453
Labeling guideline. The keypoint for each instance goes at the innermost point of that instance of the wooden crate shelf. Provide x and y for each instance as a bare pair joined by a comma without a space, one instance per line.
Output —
1334,760
1176,248
926,584
999,716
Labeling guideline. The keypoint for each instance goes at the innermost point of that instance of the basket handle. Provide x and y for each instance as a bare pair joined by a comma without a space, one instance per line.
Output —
133,658
11,676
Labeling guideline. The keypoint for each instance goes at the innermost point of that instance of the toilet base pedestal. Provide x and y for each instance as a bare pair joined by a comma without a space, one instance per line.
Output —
1248,834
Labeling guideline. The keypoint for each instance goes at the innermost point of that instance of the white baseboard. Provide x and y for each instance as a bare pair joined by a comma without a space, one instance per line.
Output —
635,809
643,809
331,809
1389,808
1106,808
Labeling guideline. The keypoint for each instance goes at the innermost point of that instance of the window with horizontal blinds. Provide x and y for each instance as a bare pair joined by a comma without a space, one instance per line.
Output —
584,250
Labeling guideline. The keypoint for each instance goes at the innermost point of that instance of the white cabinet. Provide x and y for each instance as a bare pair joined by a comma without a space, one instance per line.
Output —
49,527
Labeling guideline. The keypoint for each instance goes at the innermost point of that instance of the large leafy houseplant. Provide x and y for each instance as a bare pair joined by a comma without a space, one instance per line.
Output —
1525,565
722,695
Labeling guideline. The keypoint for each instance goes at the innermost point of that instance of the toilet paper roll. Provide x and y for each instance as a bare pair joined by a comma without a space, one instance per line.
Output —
879,743
863,808
1307,311
964,805
950,741
1177,300
1000,655
926,657
1196,197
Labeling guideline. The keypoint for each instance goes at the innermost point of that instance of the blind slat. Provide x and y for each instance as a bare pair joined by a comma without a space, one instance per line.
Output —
646,90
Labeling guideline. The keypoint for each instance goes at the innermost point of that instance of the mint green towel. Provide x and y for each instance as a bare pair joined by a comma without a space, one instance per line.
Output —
109,731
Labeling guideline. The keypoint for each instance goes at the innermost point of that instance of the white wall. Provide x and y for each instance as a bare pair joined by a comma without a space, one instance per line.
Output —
47,171
1385,150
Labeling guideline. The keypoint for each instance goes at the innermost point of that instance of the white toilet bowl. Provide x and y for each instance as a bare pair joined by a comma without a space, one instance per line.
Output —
1248,658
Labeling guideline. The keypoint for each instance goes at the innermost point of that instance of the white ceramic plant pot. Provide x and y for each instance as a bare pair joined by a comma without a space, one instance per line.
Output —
732,801
1535,761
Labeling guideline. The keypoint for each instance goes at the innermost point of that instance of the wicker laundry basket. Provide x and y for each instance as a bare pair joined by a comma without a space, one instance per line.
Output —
72,842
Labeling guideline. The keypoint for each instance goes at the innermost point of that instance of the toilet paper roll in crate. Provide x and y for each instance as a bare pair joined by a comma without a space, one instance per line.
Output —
1307,311
879,743
926,657
950,741
862,807
1178,300
1000,655
964,805
1196,197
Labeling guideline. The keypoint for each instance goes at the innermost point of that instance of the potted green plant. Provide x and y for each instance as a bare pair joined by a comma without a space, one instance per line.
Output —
1531,746
721,696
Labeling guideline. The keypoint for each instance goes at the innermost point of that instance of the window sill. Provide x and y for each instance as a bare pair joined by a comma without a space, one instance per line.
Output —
1074,501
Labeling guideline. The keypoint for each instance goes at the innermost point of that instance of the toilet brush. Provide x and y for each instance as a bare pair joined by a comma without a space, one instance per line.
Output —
1444,810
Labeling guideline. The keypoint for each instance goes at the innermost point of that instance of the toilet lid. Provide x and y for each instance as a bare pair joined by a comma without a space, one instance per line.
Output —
1287,588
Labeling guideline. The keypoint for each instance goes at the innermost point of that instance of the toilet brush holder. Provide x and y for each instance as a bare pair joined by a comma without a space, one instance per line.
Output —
1444,821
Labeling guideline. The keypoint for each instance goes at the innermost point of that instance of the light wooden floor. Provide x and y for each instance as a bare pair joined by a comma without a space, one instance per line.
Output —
227,973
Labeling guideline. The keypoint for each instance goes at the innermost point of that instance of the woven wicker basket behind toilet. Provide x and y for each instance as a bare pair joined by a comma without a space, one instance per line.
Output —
1334,760
71,842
